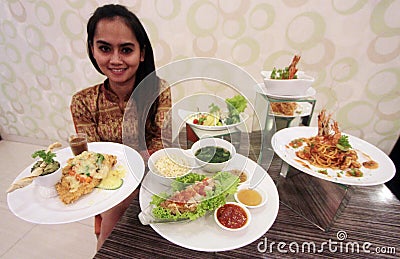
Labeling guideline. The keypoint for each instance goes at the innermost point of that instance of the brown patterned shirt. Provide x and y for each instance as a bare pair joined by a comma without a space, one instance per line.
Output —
95,111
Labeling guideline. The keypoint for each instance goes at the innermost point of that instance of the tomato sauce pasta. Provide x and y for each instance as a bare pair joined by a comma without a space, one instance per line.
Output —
325,155
329,149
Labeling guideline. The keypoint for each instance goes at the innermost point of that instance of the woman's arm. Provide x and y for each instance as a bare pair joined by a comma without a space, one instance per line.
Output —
163,121
82,116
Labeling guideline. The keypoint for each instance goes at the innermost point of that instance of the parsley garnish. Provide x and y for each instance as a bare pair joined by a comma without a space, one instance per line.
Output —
45,156
343,143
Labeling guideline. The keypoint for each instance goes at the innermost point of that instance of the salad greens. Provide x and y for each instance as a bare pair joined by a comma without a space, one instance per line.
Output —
183,181
225,184
236,105
343,143
214,109
281,73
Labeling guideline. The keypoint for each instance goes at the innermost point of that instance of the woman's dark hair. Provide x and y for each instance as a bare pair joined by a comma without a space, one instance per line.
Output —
151,89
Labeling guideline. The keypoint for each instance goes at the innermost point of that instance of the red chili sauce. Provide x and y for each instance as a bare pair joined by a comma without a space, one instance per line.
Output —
232,216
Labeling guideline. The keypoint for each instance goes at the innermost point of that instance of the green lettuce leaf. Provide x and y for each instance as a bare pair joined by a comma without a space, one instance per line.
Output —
236,105
226,184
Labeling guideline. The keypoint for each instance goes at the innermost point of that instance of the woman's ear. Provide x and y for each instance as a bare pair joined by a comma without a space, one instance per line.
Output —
142,53
91,49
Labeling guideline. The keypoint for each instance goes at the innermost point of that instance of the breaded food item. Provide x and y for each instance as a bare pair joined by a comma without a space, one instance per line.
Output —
82,174
284,108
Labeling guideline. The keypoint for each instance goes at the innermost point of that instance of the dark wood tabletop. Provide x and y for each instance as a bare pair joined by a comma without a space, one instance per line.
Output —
367,227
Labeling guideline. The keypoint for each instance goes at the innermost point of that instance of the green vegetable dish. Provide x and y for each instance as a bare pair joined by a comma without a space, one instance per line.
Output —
235,105
193,195
212,154
50,165
281,74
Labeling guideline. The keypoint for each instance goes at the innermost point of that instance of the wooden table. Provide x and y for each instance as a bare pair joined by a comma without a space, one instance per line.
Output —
368,227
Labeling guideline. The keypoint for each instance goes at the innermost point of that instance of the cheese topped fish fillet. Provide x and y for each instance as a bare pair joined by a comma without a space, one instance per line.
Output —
82,174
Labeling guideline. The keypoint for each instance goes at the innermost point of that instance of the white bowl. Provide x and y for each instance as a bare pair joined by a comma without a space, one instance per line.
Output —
189,116
215,142
246,224
243,179
49,180
264,197
288,87
46,183
181,157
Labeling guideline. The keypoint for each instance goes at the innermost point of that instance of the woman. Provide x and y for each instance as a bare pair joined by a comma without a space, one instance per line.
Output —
119,48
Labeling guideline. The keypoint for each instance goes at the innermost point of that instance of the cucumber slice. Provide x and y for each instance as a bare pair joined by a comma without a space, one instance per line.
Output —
109,184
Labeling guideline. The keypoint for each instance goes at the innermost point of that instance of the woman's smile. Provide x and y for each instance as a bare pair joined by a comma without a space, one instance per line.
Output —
117,71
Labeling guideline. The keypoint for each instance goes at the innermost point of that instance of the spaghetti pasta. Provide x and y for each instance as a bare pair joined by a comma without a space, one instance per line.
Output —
325,155
326,150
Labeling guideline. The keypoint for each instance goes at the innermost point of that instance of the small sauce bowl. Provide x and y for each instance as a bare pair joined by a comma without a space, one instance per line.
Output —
244,176
212,143
251,198
232,216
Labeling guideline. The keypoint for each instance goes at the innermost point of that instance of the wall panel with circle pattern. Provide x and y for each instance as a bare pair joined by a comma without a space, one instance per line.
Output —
352,48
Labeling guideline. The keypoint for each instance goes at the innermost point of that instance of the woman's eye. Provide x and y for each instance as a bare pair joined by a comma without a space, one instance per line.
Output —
104,48
126,50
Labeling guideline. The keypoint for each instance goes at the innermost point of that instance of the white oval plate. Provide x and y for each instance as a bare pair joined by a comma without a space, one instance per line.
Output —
365,151
29,205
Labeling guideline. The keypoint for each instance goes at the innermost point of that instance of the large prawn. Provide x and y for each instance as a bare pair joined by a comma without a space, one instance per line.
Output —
328,129
292,66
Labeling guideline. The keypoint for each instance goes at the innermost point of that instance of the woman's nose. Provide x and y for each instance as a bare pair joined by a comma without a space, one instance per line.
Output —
115,57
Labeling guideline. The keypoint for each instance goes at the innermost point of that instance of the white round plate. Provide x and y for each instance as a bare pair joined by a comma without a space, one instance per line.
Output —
186,115
303,109
29,205
260,88
365,151
204,234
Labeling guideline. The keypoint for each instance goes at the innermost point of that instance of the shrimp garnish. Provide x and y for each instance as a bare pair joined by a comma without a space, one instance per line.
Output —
328,129
292,66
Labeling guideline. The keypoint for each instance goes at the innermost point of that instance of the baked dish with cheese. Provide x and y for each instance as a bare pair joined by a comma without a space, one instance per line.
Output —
82,174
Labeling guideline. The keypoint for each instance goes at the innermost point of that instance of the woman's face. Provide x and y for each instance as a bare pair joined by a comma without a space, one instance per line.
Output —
117,51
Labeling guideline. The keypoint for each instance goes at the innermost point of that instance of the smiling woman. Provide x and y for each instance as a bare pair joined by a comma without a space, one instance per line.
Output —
119,48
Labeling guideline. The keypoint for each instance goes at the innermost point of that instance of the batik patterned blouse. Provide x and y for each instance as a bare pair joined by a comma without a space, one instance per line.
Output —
95,111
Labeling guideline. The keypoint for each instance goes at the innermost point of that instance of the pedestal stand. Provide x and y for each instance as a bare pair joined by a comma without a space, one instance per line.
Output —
317,201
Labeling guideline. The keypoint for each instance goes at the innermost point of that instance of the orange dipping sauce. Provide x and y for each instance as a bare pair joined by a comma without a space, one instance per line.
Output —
249,197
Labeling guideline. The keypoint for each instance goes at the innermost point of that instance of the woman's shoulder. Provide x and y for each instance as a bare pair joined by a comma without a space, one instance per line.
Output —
165,93
91,90
87,94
